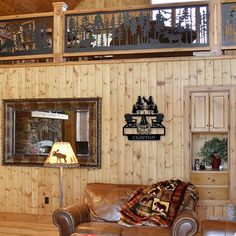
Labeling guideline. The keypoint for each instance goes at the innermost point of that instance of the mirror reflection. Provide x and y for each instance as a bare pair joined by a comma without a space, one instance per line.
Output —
31,128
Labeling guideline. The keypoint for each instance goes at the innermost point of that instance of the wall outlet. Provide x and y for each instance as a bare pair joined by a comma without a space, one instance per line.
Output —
46,200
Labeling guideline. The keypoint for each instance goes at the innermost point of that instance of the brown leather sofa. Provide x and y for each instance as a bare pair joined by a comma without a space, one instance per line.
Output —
218,228
100,213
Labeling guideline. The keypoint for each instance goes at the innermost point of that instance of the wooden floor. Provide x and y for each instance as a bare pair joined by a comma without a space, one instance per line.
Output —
26,225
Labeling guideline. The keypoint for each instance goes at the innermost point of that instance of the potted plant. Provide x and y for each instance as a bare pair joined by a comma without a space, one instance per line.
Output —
214,151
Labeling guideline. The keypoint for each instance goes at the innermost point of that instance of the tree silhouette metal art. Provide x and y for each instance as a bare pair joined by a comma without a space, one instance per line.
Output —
138,29
144,123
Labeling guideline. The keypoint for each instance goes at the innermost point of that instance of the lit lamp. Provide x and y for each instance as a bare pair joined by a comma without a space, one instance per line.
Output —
61,155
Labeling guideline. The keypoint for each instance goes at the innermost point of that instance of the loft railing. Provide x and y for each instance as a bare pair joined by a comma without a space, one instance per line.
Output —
150,28
229,24
26,36
58,35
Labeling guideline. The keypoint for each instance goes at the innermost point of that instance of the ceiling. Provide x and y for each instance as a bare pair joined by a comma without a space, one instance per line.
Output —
15,7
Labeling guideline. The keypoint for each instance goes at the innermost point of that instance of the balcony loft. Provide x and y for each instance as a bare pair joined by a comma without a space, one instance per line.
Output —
183,29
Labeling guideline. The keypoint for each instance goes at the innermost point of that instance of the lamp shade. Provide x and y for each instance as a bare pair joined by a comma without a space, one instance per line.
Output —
61,155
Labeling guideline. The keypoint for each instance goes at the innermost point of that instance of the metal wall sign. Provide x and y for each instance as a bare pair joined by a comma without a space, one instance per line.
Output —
144,123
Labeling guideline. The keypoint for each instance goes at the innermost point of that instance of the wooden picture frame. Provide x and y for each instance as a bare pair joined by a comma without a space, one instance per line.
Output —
31,126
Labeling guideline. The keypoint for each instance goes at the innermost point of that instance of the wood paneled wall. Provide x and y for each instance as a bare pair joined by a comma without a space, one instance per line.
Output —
118,83
85,4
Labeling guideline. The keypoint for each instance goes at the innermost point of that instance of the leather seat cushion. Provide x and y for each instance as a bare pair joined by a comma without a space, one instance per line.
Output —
100,228
105,200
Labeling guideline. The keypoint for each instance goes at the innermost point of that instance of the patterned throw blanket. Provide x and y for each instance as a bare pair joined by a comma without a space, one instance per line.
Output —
157,204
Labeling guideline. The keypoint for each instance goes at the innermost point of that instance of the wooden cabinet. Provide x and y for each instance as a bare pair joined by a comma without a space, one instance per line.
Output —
212,185
209,111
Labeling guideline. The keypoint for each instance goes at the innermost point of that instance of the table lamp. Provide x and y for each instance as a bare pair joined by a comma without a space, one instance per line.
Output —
61,155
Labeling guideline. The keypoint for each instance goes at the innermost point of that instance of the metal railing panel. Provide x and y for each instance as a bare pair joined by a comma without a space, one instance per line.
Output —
153,28
26,36
229,24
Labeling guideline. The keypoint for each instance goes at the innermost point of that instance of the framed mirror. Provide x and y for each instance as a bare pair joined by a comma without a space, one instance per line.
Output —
31,126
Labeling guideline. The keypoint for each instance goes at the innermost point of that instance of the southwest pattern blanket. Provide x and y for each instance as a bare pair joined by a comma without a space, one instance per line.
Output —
156,204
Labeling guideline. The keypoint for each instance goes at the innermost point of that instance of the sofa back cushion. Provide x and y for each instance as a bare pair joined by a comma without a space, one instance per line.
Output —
105,200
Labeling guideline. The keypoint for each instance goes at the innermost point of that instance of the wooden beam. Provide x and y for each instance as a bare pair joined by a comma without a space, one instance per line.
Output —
58,32
215,27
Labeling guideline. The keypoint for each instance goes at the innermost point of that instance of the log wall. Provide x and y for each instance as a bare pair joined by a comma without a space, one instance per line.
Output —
118,83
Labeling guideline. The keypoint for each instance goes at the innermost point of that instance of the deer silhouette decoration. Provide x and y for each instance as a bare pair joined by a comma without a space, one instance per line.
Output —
59,156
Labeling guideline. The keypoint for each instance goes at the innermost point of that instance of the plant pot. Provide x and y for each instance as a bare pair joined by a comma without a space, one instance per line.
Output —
215,162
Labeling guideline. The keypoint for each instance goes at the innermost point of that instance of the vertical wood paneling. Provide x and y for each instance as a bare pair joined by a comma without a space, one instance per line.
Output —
217,72
106,116
120,122
201,72
168,112
76,80
14,192
152,75
161,106
3,187
101,3
225,72
192,65
144,144
113,124
233,71
177,121
119,84
184,75
128,171
209,72
8,189
35,190
136,84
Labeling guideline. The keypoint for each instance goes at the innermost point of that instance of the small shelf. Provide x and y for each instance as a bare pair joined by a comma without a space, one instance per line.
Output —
198,140
225,170
210,132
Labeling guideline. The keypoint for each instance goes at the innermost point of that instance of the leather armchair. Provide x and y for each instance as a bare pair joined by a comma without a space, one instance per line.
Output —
100,213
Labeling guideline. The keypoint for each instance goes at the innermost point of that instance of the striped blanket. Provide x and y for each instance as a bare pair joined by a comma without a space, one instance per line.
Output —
157,204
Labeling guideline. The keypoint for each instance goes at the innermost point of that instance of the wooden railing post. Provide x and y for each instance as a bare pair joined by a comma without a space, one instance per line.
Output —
58,30
215,27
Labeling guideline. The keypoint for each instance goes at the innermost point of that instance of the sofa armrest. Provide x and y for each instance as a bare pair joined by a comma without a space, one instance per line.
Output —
186,223
66,219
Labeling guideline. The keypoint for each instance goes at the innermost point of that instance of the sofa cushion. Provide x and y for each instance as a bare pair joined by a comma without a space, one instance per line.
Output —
106,200
100,228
